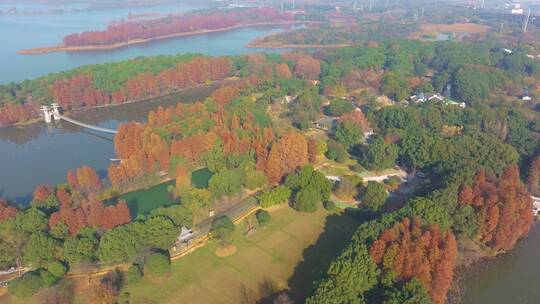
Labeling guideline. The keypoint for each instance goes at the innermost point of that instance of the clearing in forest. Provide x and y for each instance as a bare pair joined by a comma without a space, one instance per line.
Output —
284,254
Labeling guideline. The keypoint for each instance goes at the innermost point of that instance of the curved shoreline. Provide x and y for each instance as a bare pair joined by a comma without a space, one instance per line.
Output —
266,45
78,111
64,48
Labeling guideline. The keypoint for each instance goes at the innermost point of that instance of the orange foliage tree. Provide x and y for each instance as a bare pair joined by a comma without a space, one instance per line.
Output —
533,177
412,250
6,211
41,193
504,207
283,71
286,155
358,118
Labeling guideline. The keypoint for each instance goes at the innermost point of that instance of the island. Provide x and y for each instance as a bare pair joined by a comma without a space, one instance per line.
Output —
127,33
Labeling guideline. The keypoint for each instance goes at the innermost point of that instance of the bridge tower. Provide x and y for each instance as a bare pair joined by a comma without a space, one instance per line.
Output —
47,113
56,111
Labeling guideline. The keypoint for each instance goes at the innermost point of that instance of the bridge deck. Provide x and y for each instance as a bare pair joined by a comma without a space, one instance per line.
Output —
82,124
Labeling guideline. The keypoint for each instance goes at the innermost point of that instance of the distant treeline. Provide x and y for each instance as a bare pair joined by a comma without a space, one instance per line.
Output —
175,24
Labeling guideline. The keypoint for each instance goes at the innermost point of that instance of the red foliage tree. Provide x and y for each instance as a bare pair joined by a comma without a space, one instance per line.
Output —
6,211
533,177
42,192
358,118
286,155
91,213
11,113
504,208
412,250
87,179
283,71
175,24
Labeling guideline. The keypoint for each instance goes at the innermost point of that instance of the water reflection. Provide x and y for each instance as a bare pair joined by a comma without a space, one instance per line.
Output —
41,154
510,278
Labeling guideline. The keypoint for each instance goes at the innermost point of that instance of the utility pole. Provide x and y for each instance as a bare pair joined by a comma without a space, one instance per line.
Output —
526,21
502,27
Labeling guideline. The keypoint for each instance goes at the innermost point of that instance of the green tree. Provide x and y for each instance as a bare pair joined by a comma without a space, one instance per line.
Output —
197,201
215,158
80,248
348,277
119,244
47,278
40,250
375,195
278,195
339,107
32,220
465,221
223,230
255,179
348,133
308,177
348,186
263,217
134,274
179,214
336,152
329,205
395,86
306,108
431,212
411,292
226,183
158,232
379,155
307,199
157,263
57,269
26,286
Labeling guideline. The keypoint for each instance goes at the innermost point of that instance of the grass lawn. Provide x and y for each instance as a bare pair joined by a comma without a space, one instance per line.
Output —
289,252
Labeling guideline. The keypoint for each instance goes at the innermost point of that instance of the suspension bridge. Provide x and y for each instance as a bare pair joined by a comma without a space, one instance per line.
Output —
52,112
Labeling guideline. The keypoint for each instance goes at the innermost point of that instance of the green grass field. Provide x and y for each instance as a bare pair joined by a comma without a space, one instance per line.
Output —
292,250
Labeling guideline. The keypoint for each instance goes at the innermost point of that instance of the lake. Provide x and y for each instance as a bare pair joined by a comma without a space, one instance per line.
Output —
510,278
41,154
19,32
38,154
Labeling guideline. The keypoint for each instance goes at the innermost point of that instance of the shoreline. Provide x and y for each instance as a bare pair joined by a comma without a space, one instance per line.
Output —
112,105
64,48
266,45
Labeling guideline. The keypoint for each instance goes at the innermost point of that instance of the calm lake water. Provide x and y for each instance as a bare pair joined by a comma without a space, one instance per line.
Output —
38,154
19,32
511,278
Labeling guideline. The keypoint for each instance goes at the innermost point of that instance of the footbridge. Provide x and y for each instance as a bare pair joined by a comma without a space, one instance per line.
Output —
52,112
